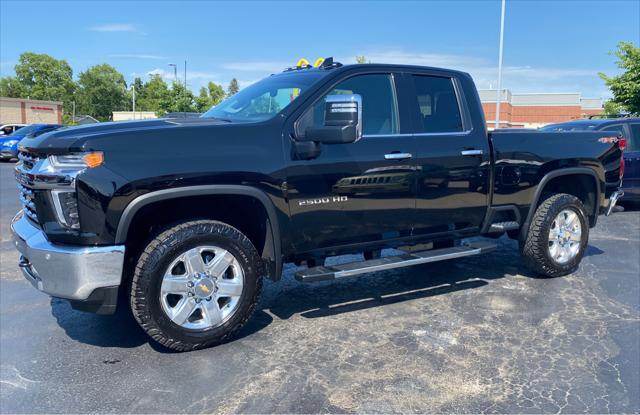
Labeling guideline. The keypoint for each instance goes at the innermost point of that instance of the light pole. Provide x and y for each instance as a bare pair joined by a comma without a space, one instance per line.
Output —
133,91
175,71
497,124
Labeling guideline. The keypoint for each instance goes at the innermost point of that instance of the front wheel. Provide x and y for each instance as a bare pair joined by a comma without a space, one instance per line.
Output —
196,284
557,237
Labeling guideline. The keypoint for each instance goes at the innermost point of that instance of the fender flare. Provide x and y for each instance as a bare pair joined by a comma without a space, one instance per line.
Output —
571,171
217,189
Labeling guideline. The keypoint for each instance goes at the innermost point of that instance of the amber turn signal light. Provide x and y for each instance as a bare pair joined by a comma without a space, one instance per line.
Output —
94,159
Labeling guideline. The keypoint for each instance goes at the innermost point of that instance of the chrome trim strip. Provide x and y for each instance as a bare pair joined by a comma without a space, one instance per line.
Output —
410,262
451,133
471,152
398,156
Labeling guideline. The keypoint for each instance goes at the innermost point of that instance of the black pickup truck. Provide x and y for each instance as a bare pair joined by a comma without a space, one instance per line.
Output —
184,217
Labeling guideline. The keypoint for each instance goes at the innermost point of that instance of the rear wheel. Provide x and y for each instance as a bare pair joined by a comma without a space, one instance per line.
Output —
196,284
557,236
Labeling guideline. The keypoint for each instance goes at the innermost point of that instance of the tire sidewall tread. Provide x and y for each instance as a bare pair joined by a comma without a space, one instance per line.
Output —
155,258
535,245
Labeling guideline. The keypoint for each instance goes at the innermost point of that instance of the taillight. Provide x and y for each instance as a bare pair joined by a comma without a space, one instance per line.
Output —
621,167
622,143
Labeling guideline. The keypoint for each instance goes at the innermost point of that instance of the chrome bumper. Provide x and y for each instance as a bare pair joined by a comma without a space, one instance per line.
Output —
613,199
71,272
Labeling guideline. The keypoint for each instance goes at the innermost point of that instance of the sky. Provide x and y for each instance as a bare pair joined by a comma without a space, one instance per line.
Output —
549,46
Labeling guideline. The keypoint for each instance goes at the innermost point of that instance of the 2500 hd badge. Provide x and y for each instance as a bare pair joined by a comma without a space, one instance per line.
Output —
322,200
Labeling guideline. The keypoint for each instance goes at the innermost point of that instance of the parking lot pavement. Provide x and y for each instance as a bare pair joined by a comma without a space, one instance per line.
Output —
476,335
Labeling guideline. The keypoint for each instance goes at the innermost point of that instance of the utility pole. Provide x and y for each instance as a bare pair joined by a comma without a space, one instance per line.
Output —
185,86
133,90
175,71
497,124
73,116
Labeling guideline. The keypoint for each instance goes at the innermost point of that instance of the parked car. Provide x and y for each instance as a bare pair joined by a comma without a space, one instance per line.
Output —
630,130
305,164
6,129
9,143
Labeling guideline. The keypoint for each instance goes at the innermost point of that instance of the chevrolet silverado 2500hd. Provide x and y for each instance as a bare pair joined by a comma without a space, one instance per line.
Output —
305,164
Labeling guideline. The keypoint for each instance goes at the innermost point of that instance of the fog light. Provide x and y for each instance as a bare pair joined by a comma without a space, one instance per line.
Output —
66,206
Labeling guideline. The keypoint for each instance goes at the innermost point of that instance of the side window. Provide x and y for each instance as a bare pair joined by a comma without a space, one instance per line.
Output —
634,143
617,128
379,108
437,105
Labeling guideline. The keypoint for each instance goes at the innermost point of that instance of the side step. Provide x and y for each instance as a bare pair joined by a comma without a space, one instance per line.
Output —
326,273
504,226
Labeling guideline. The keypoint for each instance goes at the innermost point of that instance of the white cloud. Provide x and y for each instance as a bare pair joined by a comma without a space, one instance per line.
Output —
257,66
114,27
528,78
137,56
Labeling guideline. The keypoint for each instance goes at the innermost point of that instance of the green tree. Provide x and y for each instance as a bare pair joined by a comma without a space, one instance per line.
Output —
216,93
612,109
11,87
138,86
179,99
212,95
626,87
156,93
101,90
361,59
40,76
203,100
233,88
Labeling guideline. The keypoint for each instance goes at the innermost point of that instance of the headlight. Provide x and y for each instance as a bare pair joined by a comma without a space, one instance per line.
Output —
77,161
64,198
10,143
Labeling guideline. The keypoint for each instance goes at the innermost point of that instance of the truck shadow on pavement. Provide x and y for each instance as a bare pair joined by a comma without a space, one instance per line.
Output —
289,297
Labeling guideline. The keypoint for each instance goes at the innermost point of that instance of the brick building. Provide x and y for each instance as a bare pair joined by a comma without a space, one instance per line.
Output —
30,111
536,109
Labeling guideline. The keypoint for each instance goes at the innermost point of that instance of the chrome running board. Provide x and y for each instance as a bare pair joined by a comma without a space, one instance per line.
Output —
326,273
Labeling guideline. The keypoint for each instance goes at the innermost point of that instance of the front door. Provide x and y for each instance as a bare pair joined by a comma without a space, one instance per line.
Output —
452,159
358,192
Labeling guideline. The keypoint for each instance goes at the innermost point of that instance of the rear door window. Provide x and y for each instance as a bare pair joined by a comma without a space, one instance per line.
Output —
437,105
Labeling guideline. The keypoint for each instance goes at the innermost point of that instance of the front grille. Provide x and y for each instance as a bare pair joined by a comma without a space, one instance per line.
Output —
27,194
28,160
28,203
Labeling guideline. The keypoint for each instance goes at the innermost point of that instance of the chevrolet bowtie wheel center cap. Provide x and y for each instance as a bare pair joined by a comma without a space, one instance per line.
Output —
204,288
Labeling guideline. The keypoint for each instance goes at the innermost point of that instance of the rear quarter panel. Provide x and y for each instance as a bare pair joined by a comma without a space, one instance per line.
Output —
522,159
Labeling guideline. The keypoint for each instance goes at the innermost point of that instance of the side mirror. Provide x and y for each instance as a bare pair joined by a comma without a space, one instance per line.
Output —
342,121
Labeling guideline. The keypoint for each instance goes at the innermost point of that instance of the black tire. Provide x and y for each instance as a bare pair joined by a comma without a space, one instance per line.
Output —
534,248
156,257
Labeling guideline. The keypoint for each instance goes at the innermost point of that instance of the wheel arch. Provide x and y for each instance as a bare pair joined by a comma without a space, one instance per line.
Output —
548,179
272,248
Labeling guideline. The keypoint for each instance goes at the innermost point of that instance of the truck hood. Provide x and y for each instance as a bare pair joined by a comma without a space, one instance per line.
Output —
70,139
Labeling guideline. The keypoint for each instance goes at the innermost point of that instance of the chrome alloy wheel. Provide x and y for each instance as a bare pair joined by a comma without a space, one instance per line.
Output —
565,236
201,288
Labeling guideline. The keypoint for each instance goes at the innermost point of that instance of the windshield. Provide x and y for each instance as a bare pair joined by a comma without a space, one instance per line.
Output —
569,127
264,99
24,130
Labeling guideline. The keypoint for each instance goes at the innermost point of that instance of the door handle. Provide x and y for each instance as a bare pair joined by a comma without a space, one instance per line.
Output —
471,152
398,156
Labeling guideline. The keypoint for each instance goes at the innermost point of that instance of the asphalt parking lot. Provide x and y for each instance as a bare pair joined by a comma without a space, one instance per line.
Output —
475,335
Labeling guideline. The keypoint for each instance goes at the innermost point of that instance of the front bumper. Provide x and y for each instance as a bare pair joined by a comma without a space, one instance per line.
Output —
613,199
8,155
71,272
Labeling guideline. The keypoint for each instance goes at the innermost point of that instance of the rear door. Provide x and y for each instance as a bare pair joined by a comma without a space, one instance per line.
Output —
359,192
453,159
